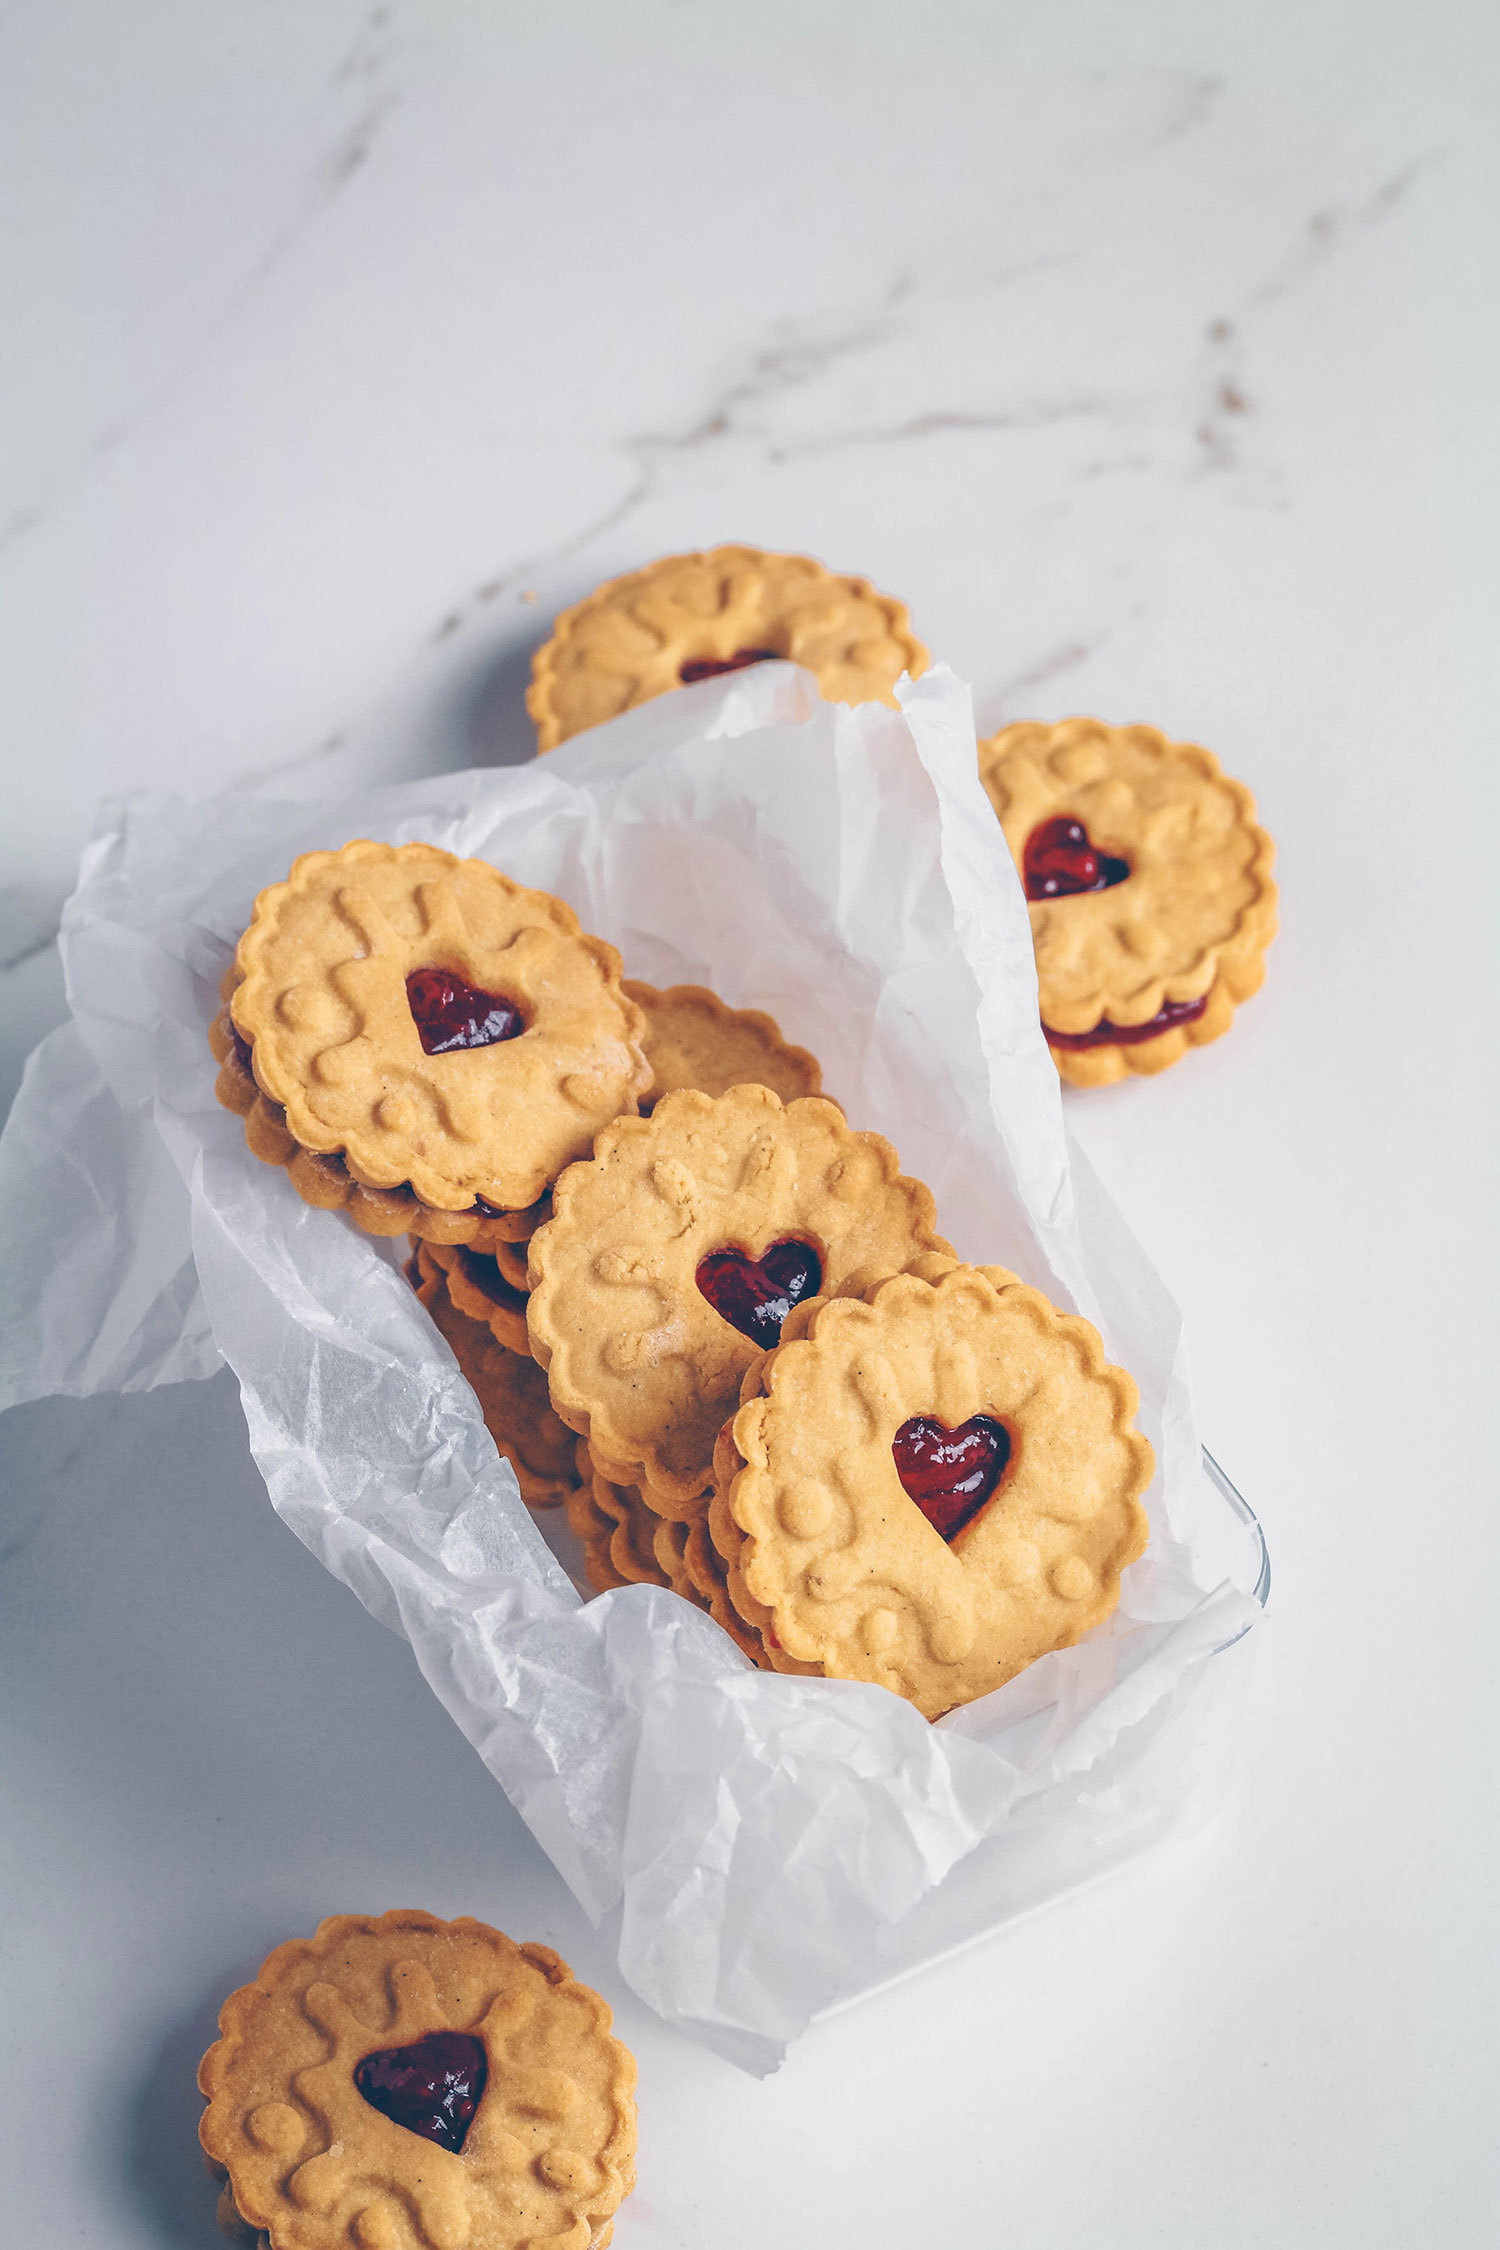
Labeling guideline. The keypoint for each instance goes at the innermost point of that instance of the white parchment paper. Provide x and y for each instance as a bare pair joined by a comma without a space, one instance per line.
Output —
755,1836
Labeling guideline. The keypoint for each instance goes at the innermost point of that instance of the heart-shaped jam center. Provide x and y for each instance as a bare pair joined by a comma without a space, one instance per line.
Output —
1059,860
709,667
450,1014
950,1473
431,2087
755,1294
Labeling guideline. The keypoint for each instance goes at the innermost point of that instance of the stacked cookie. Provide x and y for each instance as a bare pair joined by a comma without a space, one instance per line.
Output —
389,1006
1149,887
725,1334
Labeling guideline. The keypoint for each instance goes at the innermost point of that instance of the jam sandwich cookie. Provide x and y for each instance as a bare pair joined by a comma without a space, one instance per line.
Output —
632,1548
616,1531
511,1390
693,1038
1149,884
401,2083
326,1181
447,1038
594,1528
718,1553
689,617
479,1283
937,1485
674,1255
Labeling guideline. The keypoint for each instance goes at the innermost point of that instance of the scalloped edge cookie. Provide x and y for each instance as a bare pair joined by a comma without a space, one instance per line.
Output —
281,2076
627,641
1033,772
632,1548
326,1182
477,1284
322,1007
718,1557
695,1039
837,1573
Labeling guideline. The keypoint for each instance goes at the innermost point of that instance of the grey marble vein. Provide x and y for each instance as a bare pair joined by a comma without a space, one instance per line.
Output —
366,72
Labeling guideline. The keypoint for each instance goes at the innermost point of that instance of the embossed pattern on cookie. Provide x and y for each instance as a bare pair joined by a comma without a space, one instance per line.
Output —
840,1544
1149,888
687,617
639,1359
436,1026
400,2081
326,1181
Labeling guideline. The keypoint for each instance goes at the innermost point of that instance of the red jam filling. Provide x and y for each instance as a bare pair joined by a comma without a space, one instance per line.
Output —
755,1294
450,1014
950,1473
1107,1034
432,2087
709,667
1060,860
241,1044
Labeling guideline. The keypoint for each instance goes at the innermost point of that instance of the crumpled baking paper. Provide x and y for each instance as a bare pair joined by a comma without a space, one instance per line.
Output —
755,1839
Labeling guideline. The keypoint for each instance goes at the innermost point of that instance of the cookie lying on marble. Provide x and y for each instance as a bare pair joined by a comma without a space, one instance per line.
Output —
423,1042
399,2080
1149,885
930,1486
688,617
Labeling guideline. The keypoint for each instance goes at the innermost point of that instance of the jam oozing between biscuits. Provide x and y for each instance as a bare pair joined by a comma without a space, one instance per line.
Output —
1107,1034
450,1014
1060,860
755,1294
709,667
432,2087
950,1473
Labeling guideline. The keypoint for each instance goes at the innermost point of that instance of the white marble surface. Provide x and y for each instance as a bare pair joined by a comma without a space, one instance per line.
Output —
1153,361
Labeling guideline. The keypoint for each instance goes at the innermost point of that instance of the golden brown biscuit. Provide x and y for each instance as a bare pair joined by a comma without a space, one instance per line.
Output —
687,617
477,1285
401,2083
632,1550
326,1181
448,1035
671,1260
693,1038
1149,884
939,1485
593,1527
669,1545
709,1583
720,1565
511,1390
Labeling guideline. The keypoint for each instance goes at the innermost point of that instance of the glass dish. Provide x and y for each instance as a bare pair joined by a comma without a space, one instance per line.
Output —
1176,1783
